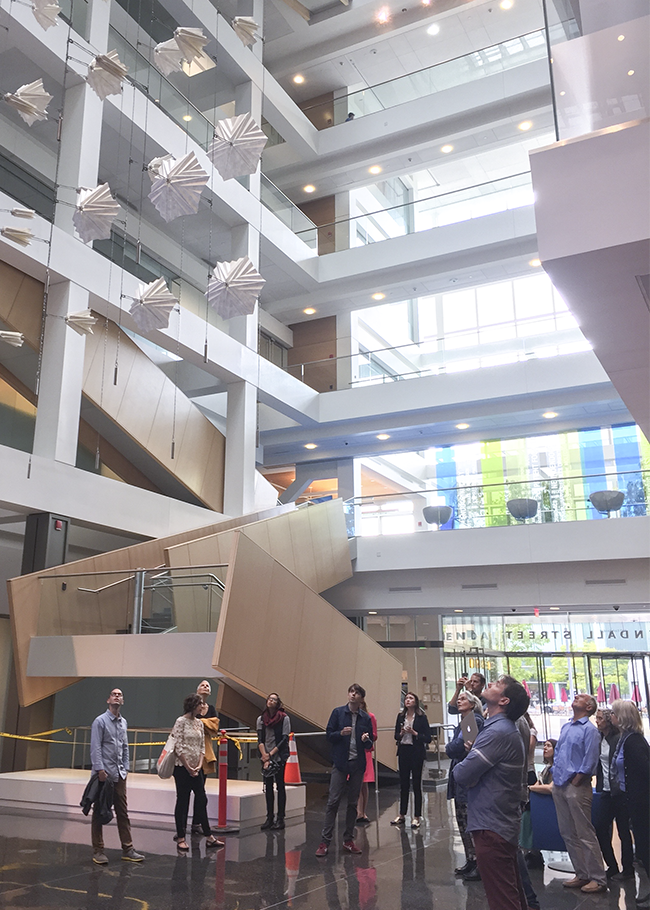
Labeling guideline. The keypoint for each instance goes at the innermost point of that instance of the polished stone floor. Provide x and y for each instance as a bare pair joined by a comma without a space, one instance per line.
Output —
45,862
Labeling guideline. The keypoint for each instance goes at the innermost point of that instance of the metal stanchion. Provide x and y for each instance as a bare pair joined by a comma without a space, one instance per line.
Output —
222,820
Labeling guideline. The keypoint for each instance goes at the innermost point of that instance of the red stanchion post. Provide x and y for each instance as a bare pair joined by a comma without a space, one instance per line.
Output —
222,818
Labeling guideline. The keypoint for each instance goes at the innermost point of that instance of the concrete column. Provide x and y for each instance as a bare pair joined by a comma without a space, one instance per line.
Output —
348,473
347,365
59,394
81,129
241,426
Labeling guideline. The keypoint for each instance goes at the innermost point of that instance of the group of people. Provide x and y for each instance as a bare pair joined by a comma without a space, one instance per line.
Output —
491,774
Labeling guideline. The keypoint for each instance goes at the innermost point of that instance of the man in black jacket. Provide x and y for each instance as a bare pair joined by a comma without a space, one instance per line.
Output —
349,730
612,804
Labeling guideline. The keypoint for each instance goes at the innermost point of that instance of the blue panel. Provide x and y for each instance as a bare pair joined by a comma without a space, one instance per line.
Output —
628,458
593,463
446,477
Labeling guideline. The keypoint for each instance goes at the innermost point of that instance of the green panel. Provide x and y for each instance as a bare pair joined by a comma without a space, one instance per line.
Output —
573,490
492,473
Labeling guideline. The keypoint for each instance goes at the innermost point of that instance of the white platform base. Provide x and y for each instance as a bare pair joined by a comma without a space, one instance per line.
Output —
58,792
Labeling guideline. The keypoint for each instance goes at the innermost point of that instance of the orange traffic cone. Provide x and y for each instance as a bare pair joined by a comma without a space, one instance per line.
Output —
292,866
292,767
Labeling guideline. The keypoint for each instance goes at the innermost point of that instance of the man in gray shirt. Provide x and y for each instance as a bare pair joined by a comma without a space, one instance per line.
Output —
493,774
109,754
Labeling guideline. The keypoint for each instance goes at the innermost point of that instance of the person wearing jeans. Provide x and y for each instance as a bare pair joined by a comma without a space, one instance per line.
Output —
349,730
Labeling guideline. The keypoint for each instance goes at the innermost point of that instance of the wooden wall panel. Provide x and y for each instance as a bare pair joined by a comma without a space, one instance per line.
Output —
295,643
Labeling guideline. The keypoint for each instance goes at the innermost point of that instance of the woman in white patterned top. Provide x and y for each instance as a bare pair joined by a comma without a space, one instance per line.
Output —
189,747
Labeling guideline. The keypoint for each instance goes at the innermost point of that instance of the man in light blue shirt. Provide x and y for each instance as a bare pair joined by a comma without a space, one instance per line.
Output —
576,758
109,754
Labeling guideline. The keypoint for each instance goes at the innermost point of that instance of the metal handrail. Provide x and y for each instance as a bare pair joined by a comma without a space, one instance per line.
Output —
214,565
370,88
403,205
355,500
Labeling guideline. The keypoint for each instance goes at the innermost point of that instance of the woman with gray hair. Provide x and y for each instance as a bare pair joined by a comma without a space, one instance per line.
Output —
612,804
631,771
456,751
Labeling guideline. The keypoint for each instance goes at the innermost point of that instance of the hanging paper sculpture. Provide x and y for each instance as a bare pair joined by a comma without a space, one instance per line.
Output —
191,42
246,29
23,236
31,101
152,306
158,167
237,146
15,339
235,287
106,74
177,186
46,12
96,210
82,322
23,213
167,57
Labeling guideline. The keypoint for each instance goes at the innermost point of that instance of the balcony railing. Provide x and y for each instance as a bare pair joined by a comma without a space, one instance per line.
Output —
504,194
484,505
487,61
132,602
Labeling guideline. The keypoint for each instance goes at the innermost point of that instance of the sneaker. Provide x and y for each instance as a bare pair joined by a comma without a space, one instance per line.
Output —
349,846
594,888
400,820
323,849
416,822
575,882
131,856
100,858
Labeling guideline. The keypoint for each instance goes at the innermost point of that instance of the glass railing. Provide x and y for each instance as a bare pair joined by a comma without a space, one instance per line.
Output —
551,335
480,505
128,602
488,61
288,213
602,78
476,201
33,192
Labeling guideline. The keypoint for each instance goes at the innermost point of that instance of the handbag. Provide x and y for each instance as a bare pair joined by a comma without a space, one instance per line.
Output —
167,760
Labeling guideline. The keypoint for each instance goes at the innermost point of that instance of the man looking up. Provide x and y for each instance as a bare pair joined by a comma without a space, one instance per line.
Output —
576,758
109,754
492,773
475,685
349,730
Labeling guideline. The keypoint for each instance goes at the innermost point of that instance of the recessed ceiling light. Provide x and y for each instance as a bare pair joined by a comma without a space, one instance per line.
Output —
549,415
311,445
563,94
554,608
310,188
378,296
383,15
621,37
187,118
630,72
309,311
525,125
298,79
462,426
383,436
446,149
458,611
535,263
375,169
506,4
433,29
372,612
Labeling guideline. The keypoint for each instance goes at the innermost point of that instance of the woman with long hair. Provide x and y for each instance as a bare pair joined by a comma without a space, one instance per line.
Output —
630,771
456,751
412,734
369,776
545,777
189,748
273,729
